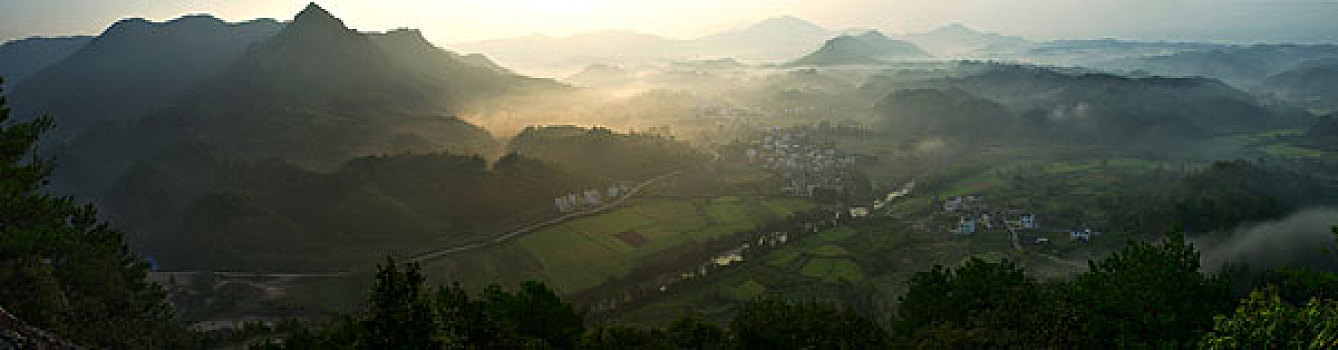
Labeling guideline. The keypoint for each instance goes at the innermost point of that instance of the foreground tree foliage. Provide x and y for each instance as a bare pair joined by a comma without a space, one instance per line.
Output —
1146,295
1264,320
401,314
977,304
63,270
770,323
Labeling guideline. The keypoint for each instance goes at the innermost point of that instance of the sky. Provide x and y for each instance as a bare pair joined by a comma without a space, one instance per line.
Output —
448,21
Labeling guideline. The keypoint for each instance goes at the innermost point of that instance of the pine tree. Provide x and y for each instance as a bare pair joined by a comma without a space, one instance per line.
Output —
62,269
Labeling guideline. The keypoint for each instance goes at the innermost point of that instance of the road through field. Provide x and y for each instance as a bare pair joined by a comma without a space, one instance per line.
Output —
496,240
506,237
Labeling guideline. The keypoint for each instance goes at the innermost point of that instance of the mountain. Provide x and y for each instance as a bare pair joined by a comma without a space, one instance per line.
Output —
1082,106
774,39
133,67
1313,84
871,47
318,93
281,139
957,40
1245,66
20,59
600,75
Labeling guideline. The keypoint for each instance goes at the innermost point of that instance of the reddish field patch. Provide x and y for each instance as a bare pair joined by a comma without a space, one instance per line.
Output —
632,238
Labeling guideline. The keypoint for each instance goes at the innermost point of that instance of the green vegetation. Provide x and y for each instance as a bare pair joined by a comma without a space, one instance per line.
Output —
1144,295
599,152
832,270
585,252
64,270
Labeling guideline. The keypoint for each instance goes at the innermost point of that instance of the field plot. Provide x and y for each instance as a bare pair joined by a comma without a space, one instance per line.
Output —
585,252
832,270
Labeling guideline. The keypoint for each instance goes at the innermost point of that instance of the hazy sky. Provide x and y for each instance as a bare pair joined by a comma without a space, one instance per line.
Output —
446,21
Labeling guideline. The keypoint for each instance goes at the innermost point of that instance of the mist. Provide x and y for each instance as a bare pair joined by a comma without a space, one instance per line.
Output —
1302,239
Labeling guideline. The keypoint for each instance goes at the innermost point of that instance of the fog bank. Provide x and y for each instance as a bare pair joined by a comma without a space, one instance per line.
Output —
1302,239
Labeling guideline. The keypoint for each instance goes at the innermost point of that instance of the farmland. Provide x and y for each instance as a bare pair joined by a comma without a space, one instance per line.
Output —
580,254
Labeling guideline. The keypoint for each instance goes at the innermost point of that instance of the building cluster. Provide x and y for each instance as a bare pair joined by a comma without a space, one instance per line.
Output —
588,198
1082,234
804,165
975,214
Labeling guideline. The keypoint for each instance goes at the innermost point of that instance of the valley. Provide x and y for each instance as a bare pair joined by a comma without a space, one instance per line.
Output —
307,183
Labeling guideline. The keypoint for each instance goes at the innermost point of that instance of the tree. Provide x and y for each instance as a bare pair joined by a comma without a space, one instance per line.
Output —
61,268
980,304
400,315
692,332
770,323
535,312
624,337
467,321
1145,295
1264,320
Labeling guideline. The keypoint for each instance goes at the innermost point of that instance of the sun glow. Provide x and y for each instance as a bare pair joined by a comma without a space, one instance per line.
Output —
558,7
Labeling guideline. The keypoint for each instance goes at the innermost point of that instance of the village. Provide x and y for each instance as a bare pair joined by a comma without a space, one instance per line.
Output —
806,167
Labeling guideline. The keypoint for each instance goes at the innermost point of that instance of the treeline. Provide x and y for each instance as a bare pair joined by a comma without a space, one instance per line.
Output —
1218,197
601,153
1008,103
1146,295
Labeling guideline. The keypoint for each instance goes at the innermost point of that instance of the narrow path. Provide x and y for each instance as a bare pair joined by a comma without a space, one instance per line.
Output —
1017,245
1062,260
505,237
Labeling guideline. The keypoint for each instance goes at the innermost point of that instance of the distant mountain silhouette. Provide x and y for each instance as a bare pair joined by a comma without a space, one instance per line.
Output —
133,67
20,59
597,75
774,39
1313,84
871,47
1244,66
1083,106
956,40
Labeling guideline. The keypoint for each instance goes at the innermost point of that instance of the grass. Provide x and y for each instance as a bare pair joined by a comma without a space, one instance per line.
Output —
782,258
1289,151
787,206
832,270
830,251
744,291
836,234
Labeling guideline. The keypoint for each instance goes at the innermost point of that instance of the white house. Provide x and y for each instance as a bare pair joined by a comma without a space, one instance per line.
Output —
592,197
1080,234
953,204
1028,221
967,225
